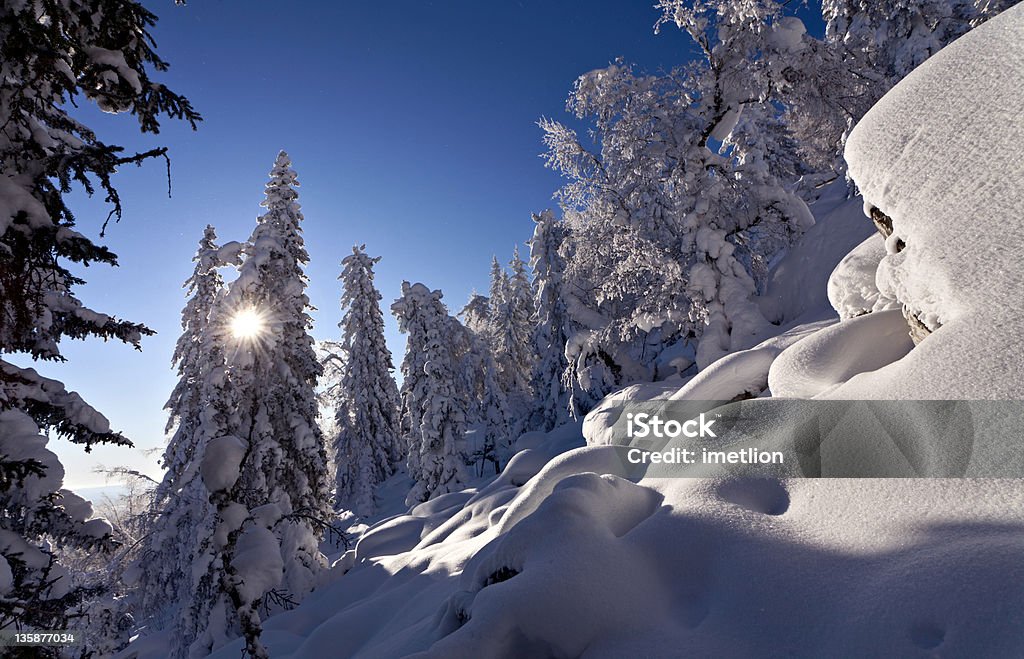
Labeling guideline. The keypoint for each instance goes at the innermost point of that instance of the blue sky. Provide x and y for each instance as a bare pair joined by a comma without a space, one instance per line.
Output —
411,126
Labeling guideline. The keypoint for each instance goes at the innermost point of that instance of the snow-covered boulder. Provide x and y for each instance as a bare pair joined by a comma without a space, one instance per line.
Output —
940,156
852,287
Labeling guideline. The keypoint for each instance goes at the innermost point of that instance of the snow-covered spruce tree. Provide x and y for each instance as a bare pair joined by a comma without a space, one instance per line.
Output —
511,321
551,332
368,446
522,314
264,463
489,409
50,53
434,395
161,576
194,356
492,417
498,293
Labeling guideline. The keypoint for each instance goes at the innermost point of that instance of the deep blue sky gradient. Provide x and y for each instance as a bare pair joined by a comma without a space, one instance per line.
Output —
411,126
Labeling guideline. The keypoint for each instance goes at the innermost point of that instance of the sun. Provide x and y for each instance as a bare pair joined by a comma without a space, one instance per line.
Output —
248,324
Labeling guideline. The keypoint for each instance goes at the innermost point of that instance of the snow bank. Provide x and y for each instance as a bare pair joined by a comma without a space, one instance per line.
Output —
797,285
833,355
940,155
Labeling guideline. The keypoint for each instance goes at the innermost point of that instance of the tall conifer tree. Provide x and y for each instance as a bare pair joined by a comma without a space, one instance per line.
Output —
368,446
265,464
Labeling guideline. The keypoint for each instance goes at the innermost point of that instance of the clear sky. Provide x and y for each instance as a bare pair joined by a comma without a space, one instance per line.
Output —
411,125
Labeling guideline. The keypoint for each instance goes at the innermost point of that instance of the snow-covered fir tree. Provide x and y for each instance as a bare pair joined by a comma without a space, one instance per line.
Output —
552,329
511,319
493,418
489,413
498,292
50,53
522,314
435,401
368,445
264,464
162,575
194,356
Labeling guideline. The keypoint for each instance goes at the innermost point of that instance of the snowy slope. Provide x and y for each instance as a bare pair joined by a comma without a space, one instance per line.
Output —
579,564
566,554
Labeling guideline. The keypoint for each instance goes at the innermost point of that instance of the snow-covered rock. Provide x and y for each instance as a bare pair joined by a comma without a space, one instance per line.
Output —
940,155
852,289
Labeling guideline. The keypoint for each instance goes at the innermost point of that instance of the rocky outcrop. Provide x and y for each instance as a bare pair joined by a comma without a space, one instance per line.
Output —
918,330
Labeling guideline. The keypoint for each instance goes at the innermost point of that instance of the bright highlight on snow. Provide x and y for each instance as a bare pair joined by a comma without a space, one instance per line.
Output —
248,324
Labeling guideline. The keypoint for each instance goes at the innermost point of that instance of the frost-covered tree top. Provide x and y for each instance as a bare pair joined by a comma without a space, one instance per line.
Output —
476,315
672,234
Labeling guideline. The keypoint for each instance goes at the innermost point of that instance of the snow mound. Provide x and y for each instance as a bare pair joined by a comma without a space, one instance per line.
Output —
797,285
940,155
852,289
833,355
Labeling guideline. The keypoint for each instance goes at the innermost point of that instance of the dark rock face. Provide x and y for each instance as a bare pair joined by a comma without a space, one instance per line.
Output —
882,222
918,330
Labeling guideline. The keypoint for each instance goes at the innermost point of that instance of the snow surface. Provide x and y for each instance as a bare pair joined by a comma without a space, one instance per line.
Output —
797,286
583,561
833,355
